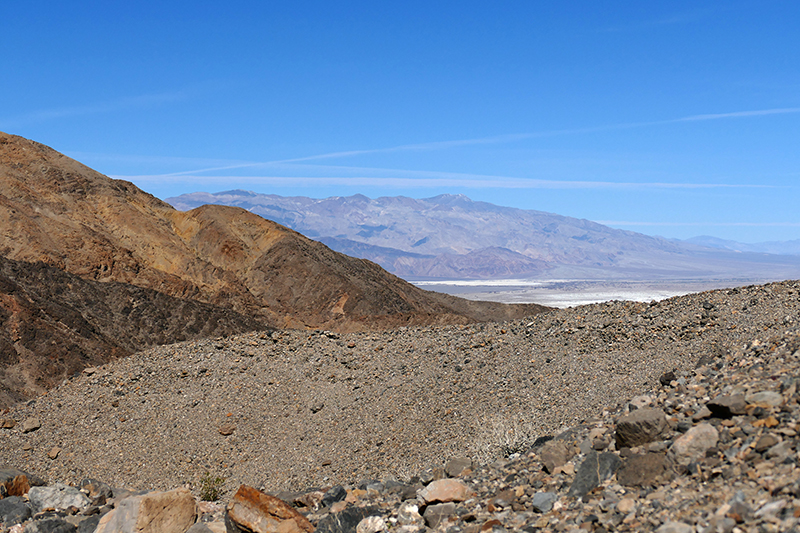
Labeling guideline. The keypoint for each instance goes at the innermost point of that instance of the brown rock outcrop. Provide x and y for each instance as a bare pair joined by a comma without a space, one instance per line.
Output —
253,511
65,214
82,251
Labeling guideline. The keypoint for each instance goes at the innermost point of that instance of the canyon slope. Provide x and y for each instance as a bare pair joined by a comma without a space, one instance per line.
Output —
95,268
453,237
58,211
54,324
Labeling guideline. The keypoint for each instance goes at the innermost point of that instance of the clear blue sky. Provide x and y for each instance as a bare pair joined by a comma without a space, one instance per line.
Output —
668,118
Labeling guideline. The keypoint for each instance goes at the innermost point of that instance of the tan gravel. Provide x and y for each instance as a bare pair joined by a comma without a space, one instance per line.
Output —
293,409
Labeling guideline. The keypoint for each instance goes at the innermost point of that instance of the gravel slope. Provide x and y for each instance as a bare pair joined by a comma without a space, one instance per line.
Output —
311,408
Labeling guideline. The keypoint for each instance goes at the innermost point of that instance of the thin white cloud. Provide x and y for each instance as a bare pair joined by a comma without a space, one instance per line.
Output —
422,179
436,145
499,139
680,18
737,114
693,224
133,102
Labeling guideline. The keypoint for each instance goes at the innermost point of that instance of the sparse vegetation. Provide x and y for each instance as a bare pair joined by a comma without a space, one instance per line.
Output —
211,487
502,437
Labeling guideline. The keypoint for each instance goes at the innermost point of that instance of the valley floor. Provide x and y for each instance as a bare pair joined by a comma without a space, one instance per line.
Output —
563,293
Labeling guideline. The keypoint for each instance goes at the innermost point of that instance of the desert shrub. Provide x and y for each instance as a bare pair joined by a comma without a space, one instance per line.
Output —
501,437
211,487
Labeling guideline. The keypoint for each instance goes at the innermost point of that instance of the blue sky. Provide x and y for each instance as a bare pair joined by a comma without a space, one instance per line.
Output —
671,118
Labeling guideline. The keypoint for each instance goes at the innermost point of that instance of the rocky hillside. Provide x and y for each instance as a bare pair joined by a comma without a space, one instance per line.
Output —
288,410
55,210
93,268
453,237
713,442
54,324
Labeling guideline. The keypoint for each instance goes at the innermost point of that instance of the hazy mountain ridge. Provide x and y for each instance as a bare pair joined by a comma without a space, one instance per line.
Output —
451,236
791,247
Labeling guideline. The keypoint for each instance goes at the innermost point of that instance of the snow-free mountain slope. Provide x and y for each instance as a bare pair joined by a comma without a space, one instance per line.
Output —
451,236
92,268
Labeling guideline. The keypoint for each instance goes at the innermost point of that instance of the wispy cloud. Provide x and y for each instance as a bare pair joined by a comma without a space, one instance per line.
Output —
497,139
736,114
692,224
425,179
133,102
686,17
508,138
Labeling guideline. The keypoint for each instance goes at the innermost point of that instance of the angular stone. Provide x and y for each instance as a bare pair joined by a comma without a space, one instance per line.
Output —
8,474
227,429
89,525
438,513
371,524
53,453
13,511
58,496
503,499
640,402
765,442
345,522
595,469
408,515
403,491
31,424
335,494
727,406
626,505
667,378
770,510
98,491
446,490
556,453
199,528
7,423
18,486
542,502
693,444
173,511
675,527
648,470
702,414
454,467
312,499
255,512
640,427
780,451
765,398
49,525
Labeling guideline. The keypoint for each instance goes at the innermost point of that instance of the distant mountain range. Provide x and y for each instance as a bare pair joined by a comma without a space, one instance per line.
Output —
453,237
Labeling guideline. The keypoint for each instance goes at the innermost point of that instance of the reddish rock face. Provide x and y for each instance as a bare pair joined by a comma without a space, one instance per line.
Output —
252,510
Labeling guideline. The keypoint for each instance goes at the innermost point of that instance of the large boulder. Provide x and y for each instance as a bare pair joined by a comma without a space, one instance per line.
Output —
640,427
13,511
173,511
693,444
58,496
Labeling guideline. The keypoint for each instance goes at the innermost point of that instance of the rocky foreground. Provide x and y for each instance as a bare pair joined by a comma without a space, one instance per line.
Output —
680,415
